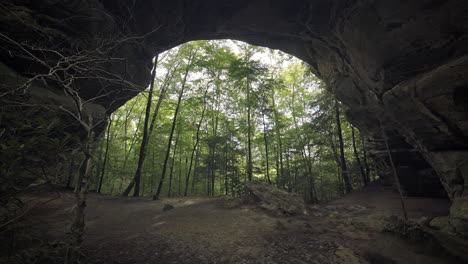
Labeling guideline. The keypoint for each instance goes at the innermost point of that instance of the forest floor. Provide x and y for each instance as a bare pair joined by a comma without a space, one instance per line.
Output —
203,230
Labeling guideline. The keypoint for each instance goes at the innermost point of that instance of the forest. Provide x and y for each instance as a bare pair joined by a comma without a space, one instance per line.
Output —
231,144
220,113
195,131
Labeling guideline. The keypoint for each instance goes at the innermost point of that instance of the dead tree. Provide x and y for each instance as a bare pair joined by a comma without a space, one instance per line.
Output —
65,69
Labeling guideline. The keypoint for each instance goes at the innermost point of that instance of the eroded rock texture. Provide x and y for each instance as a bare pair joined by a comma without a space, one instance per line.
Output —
396,65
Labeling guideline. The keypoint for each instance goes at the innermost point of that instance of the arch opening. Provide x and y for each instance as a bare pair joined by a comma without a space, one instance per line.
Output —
246,113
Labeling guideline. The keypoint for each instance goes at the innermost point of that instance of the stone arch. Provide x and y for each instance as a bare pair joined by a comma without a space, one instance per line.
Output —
399,61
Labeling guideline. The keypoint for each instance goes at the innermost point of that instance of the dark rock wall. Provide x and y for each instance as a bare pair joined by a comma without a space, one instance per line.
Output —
400,66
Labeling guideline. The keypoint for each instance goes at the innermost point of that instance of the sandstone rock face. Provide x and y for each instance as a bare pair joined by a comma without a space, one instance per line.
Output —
398,66
459,216
459,208
457,222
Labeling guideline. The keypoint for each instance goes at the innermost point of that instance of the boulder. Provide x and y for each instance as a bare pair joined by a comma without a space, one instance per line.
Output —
272,199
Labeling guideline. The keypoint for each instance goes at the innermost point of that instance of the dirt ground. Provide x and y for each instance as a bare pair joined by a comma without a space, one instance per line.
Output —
203,230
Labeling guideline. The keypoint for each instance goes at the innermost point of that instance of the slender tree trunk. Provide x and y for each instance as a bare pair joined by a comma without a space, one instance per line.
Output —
344,168
288,168
174,122
127,154
213,160
99,160
226,169
295,177
162,95
358,160
277,166
152,171
179,176
249,135
265,139
144,142
78,224
208,182
366,164
312,188
106,155
197,141
280,180
171,171
395,174
214,163
194,177
81,190
336,157
321,178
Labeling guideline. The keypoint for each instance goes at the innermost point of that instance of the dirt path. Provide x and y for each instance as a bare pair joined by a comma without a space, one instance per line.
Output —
200,230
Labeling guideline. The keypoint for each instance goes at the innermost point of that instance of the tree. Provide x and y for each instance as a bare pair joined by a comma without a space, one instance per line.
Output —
197,141
144,142
344,167
365,179
106,154
191,56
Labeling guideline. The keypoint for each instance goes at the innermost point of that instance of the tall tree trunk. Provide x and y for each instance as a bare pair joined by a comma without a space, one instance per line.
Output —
162,95
277,166
174,122
171,172
344,168
106,155
213,161
265,139
312,188
197,159
366,164
307,166
288,169
249,135
179,176
81,190
144,142
358,160
197,141
395,174
152,170
99,160
78,223
127,154
336,157
280,180
321,176
225,168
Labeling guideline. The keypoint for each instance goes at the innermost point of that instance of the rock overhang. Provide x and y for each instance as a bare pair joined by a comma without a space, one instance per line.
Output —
397,63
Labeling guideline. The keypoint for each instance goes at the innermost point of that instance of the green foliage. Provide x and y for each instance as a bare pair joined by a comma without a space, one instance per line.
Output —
290,113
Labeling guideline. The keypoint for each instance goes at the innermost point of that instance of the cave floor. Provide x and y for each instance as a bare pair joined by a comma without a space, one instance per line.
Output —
204,230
